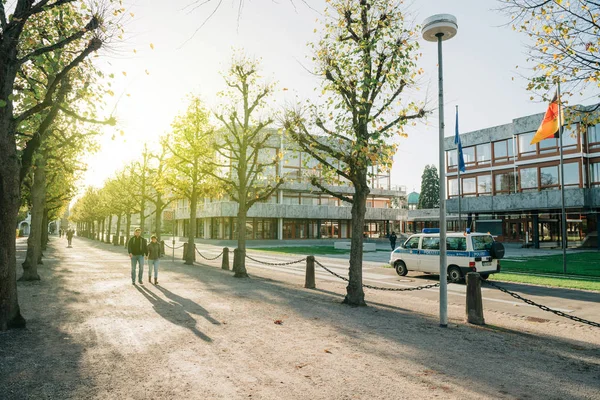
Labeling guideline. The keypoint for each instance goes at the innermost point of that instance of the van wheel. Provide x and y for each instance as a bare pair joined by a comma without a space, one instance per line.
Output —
401,268
454,274
484,276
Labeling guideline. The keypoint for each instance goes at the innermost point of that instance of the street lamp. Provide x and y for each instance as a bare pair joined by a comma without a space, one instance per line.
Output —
438,28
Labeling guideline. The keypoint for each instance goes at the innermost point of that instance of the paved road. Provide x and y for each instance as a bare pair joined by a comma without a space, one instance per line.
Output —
200,334
580,303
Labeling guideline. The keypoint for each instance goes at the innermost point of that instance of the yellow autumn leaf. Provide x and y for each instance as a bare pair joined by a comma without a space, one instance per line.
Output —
152,46
124,73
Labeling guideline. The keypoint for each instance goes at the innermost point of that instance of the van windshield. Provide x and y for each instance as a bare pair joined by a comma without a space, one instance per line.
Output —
482,242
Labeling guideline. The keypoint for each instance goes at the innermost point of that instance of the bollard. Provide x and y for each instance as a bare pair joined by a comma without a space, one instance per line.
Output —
162,247
225,262
122,240
236,259
474,302
309,281
185,245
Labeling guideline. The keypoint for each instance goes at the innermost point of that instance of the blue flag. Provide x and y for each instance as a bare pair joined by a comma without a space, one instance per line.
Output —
459,150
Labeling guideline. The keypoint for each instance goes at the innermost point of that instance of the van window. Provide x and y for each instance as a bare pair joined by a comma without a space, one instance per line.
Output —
430,243
482,242
456,243
412,243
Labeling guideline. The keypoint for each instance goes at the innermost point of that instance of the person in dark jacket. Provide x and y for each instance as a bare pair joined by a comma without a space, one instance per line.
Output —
70,233
137,247
153,256
393,238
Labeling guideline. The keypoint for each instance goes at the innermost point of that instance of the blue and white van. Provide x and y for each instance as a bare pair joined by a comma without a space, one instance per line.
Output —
466,252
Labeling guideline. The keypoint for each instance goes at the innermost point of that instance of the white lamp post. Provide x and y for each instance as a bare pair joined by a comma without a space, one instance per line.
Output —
438,28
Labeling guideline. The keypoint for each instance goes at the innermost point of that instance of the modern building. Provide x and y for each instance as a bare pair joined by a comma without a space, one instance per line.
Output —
299,210
512,188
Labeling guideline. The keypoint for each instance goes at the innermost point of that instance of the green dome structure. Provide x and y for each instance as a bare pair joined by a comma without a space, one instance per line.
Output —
413,198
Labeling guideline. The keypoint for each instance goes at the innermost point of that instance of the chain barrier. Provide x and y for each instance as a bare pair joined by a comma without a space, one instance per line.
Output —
174,248
275,264
541,306
376,287
208,259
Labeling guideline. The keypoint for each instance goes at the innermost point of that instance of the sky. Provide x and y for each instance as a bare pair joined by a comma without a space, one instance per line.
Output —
161,61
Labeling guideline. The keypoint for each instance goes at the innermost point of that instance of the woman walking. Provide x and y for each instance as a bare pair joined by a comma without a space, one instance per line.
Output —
153,256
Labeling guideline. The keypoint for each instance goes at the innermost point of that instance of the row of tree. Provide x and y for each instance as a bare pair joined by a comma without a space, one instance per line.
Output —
50,92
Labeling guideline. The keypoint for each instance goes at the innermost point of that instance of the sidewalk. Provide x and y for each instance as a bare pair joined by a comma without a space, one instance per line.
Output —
201,334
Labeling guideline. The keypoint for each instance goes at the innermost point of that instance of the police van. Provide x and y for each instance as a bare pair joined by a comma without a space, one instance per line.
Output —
465,252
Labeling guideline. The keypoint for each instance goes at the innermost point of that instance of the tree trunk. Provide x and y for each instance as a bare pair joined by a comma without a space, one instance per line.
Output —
34,241
10,198
45,238
190,257
158,212
127,228
102,229
118,232
355,296
240,268
109,228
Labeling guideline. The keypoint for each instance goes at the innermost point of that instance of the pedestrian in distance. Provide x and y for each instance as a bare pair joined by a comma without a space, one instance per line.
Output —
153,259
70,236
137,247
393,238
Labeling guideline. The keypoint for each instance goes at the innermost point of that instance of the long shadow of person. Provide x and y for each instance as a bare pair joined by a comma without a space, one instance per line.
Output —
188,305
172,312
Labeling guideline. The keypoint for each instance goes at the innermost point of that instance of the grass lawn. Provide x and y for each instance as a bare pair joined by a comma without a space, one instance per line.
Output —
584,263
567,283
303,250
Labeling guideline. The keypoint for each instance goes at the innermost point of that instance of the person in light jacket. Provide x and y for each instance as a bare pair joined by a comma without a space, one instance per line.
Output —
153,259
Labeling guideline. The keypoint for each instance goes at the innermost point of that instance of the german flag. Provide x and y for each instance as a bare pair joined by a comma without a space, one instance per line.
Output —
549,127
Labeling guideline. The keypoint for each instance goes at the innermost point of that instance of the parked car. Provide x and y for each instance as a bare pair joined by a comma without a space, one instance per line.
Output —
466,252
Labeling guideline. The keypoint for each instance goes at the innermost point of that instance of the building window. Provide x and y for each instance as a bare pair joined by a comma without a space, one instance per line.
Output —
484,154
593,133
469,156
549,177
548,146
503,151
570,137
452,189
484,185
572,174
528,179
595,174
452,158
525,148
504,182
469,187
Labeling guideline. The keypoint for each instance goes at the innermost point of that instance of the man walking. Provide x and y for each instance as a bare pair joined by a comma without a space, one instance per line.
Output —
137,247
153,256
69,236
393,238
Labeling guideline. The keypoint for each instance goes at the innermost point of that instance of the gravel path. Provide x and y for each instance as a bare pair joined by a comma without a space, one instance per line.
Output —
201,334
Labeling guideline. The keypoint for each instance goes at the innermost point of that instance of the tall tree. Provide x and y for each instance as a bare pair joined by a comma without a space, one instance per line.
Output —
247,148
157,189
430,188
367,58
565,46
20,50
190,145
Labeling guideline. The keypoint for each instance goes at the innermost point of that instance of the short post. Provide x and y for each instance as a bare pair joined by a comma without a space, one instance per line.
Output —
236,259
474,302
185,246
162,247
309,281
225,262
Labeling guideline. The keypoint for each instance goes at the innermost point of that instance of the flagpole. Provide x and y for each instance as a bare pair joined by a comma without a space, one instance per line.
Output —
562,183
458,178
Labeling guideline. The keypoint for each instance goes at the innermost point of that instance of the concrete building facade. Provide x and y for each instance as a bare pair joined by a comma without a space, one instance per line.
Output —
512,188
298,210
